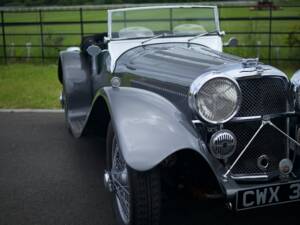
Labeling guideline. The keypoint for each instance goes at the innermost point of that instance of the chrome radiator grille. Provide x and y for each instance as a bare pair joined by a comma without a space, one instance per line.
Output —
262,96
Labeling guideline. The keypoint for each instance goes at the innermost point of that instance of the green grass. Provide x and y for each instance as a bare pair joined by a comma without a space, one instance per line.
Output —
289,69
29,86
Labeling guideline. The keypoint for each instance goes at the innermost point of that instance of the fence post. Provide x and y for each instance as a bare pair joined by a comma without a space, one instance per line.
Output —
125,18
3,37
171,19
42,35
81,23
270,34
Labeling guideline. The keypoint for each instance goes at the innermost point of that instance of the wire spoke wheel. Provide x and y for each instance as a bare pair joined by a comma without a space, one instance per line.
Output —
136,194
119,175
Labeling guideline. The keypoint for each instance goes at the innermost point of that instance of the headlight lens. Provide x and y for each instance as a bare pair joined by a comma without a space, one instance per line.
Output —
218,100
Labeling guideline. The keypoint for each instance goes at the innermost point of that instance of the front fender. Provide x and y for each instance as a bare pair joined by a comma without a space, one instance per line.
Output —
74,73
149,127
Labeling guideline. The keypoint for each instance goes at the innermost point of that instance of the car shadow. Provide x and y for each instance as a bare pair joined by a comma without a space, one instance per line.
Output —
181,209
184,211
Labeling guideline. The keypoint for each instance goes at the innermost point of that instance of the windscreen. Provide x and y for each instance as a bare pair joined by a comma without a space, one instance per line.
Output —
149,22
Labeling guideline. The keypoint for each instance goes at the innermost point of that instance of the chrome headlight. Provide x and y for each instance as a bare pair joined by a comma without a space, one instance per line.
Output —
296,84
216,99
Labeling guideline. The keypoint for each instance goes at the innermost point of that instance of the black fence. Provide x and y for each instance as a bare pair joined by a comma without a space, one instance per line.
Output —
271,33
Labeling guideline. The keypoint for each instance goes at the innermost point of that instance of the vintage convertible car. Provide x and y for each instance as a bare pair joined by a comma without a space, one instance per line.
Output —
178,112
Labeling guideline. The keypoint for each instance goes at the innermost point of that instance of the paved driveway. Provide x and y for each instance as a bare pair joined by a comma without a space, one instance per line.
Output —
49,178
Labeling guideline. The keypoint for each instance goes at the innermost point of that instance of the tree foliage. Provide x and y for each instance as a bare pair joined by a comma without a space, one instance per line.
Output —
80,2
99,2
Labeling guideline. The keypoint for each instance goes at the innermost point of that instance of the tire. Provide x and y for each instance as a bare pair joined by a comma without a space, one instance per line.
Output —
66,109
144,189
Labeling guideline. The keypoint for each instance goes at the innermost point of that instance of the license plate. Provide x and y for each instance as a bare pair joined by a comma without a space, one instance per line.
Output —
268,195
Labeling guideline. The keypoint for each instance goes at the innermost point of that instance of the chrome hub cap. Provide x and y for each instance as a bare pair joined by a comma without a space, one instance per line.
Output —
107,182
120,184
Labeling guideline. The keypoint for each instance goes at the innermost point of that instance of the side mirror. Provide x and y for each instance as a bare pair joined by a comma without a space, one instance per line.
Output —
94,51
222,33
232,42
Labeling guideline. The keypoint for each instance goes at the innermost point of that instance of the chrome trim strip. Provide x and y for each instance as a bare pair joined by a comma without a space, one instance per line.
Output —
270,116
254,177
196,121
246,118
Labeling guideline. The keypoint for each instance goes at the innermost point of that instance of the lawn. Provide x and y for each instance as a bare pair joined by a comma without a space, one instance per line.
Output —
29,86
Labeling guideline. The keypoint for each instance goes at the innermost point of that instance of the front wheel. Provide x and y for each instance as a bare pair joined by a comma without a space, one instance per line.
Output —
136,195
64,100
